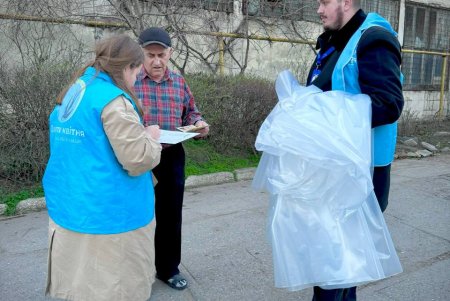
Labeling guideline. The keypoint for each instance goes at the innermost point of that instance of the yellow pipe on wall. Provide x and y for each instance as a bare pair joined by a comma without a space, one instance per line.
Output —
62,21
425,52
221,56
441,97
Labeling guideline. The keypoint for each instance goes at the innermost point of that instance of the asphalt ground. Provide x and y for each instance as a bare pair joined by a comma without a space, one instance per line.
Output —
226,255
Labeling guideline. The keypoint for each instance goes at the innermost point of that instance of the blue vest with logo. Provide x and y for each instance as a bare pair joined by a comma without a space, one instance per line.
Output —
86,188
345,78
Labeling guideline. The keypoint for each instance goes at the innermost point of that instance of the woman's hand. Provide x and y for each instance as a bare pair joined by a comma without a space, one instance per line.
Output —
153,131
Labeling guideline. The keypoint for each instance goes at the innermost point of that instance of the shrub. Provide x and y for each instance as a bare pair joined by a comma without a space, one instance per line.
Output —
235,107
26,99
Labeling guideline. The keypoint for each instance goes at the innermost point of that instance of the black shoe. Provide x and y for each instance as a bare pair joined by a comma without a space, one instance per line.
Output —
177,282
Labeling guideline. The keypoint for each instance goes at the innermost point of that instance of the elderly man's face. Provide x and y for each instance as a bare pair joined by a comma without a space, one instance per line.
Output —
156,59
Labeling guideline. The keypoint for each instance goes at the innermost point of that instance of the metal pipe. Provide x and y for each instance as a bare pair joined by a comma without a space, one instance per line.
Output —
62,21
221,56
251,37
425,52
441,97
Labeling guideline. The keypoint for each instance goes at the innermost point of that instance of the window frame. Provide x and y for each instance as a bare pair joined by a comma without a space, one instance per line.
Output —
424,31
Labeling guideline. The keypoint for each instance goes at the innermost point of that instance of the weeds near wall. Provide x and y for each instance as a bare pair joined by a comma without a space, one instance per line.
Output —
411,125
406,124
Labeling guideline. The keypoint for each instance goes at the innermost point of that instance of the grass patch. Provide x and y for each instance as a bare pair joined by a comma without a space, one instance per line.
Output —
201,158
13,198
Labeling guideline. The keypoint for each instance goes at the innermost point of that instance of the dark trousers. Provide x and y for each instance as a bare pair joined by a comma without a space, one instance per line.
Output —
381,183
168,206
340,294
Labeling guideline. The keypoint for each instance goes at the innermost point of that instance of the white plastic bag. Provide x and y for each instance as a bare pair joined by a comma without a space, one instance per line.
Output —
325,225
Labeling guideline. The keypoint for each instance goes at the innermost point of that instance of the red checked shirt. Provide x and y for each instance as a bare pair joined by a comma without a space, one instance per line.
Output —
169,103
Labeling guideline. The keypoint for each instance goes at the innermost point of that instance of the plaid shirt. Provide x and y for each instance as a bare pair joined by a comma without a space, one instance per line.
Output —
169,103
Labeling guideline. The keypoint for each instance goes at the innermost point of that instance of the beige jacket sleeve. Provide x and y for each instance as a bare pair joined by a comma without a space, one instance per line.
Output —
133,147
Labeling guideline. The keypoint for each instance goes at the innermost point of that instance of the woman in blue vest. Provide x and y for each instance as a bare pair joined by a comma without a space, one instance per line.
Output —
98,185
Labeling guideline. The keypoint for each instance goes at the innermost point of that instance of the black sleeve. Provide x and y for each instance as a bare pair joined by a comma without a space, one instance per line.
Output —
379,59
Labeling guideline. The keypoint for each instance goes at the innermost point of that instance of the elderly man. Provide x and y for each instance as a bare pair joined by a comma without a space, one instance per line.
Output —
167,101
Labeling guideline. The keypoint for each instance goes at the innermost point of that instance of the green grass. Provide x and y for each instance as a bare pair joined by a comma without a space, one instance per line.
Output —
13,198
201,158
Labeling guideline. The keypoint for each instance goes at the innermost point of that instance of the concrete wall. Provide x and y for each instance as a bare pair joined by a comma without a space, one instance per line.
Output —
441,3
425,104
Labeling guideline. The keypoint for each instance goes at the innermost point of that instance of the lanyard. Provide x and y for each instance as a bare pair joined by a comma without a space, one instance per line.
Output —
320,57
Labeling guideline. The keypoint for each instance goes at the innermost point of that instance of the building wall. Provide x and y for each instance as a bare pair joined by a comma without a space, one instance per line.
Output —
424,104
269,58
442,3
266,59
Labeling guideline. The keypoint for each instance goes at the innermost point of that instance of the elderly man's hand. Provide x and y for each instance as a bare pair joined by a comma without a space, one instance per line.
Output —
203,132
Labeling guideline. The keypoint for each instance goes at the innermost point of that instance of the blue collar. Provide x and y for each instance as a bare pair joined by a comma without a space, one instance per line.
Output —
91,72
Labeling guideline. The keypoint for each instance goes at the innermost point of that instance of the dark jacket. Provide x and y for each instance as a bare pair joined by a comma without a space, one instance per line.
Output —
379,59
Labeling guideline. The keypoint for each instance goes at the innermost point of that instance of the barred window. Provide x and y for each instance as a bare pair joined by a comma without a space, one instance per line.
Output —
306,10
286,9
216,5
425,29
389,9
212,5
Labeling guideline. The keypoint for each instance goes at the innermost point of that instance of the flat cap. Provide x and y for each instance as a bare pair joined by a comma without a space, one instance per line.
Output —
155,35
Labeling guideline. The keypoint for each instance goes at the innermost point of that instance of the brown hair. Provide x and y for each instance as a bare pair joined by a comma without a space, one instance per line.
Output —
112,56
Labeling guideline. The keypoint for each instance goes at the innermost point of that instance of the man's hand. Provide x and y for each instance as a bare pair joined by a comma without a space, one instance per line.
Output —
203,132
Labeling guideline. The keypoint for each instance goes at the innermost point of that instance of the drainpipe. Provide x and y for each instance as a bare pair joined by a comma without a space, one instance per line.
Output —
221,55
401,22
440,112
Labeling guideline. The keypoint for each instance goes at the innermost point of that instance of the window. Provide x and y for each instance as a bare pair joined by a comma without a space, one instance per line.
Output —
389,9
286,9
212,5
425,29
306,10
217,5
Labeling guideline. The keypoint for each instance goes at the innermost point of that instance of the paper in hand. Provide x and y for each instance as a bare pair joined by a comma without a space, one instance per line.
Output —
174,137
191,128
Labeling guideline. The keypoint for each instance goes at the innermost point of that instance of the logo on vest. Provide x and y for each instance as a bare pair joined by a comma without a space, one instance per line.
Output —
71,100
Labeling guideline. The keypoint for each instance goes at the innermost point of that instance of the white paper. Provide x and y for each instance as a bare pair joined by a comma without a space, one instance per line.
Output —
174,137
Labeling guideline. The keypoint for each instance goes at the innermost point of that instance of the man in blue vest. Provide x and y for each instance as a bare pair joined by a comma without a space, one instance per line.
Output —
360,53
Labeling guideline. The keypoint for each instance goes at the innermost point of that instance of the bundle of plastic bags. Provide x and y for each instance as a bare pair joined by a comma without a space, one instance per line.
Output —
325,225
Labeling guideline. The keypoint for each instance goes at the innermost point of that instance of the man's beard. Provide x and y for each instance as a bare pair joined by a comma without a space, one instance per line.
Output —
339,21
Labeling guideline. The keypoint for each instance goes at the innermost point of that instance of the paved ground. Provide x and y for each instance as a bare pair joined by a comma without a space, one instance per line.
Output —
226,257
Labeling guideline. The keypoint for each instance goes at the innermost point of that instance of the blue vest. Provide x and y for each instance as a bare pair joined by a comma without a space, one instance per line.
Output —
86,188
345,78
